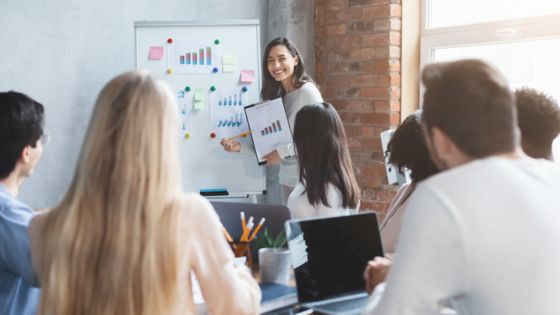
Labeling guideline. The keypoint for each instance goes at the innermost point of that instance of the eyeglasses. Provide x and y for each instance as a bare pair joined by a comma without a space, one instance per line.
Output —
46,138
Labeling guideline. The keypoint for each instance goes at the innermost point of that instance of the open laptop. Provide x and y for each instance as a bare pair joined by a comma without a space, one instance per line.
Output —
329,256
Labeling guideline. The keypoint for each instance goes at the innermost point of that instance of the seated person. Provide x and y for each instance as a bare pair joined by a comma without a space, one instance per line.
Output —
326,185
539,121
125,238
21,147
407,150
467,230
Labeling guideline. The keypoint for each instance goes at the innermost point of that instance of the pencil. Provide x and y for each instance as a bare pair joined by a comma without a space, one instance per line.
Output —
241,135
243,223
226,234
257,230
244,237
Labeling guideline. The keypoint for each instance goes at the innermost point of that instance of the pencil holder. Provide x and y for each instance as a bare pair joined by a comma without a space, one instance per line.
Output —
241,249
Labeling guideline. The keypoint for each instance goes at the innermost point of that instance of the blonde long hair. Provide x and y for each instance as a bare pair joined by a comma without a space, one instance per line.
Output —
111,246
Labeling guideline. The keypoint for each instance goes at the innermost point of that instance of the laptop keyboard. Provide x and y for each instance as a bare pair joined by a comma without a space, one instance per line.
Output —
351,306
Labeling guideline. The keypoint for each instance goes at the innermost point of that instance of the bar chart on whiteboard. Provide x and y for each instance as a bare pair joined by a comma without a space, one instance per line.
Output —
228,116
195,57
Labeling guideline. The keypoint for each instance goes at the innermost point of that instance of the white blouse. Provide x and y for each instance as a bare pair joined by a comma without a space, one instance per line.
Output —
301,208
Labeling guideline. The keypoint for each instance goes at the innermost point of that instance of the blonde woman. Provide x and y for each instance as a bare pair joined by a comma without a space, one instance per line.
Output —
125,239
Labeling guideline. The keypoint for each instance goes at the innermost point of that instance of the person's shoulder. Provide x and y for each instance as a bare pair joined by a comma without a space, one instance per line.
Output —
309,88
196,207
38,221
15,209
297,193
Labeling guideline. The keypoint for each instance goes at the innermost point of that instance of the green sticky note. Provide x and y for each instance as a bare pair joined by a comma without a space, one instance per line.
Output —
199,95
198,101
198,105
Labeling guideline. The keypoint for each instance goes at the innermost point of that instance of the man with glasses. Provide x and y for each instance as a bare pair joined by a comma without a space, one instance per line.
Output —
21,147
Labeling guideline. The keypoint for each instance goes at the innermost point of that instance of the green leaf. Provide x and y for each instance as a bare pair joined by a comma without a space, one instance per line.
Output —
265,240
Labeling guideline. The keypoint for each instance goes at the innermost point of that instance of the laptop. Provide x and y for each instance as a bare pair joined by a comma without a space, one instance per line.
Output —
329,255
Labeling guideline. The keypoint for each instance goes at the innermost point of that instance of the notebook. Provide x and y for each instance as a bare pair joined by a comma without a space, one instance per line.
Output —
329,256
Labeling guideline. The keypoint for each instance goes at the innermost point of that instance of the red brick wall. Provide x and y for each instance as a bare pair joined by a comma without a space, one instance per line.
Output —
357,65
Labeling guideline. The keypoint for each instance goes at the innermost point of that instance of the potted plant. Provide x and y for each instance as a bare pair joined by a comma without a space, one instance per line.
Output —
274,258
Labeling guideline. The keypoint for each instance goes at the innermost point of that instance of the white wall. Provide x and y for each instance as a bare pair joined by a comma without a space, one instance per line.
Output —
61,52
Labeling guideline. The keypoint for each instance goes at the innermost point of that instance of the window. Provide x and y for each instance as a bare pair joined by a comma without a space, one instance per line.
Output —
516,36
447,13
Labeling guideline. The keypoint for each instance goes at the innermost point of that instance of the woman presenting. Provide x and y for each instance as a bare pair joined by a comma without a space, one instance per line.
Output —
284,76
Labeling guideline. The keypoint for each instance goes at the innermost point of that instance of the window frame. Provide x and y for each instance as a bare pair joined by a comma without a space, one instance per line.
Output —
499,32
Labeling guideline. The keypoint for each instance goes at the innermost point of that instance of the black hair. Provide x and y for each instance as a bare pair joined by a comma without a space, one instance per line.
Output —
21,124
539,122
408,149
271,88
323,155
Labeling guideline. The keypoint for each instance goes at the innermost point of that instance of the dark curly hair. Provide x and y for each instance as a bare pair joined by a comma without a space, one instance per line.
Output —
539,121
407,149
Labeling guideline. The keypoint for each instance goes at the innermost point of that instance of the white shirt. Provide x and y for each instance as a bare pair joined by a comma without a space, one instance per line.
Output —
390,228
301,208
483,238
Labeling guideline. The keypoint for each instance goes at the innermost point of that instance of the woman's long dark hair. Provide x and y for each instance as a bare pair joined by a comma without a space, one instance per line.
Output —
271,88
323,155
407,149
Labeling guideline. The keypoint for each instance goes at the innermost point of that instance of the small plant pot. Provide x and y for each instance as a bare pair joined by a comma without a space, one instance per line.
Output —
274,265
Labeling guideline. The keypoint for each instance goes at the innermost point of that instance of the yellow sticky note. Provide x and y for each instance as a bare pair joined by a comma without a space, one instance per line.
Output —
228,68
229,60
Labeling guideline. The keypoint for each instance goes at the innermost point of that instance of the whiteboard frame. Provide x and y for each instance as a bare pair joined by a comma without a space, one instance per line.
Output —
244,22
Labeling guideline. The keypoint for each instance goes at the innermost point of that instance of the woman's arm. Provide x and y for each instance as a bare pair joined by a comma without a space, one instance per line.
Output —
227,288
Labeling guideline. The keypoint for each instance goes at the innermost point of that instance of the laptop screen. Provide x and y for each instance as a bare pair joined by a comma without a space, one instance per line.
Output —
330,254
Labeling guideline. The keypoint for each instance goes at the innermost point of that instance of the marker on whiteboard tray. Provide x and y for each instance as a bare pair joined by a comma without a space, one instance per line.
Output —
214,192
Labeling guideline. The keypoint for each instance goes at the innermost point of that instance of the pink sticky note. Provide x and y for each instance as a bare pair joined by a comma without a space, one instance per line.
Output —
247,76
156,53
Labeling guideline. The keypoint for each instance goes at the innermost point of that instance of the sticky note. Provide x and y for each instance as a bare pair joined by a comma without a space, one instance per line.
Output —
229,60
247,76
198,101
156,53
229,63
228,68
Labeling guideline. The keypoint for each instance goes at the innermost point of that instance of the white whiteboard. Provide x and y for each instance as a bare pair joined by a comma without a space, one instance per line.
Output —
198,53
